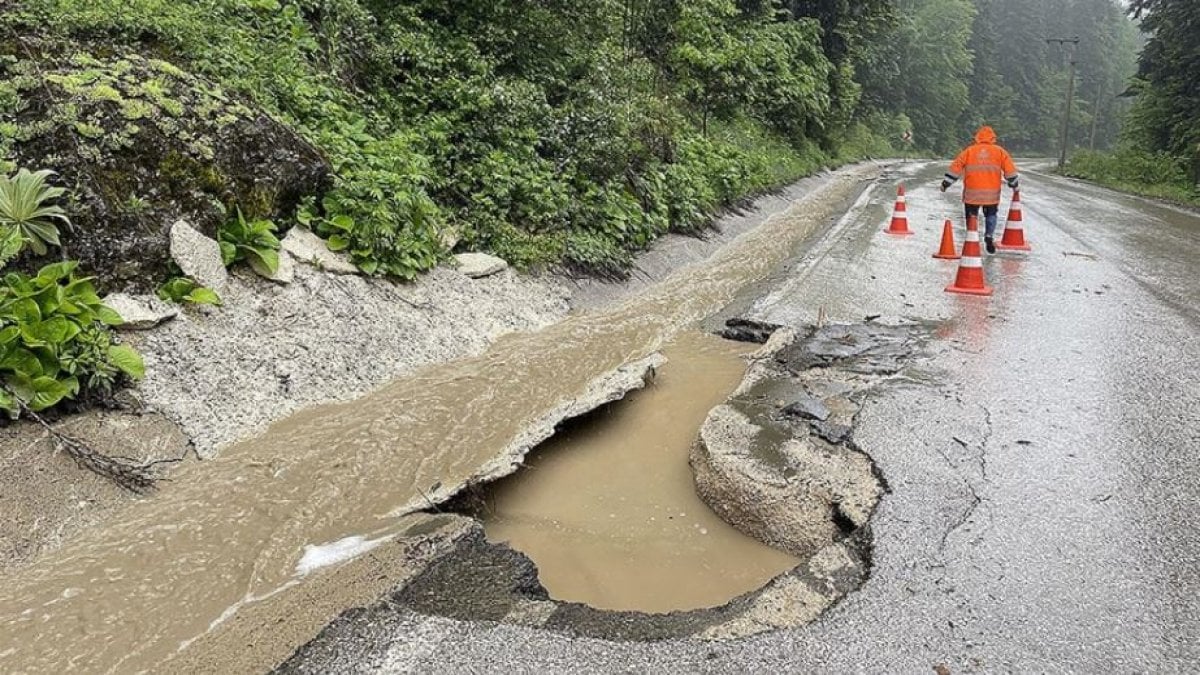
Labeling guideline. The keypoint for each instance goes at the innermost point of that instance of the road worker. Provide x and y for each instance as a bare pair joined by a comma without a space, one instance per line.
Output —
984,167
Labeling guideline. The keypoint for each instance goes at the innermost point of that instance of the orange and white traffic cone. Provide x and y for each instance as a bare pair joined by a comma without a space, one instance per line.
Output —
1014,232
947,251
900,215
970,279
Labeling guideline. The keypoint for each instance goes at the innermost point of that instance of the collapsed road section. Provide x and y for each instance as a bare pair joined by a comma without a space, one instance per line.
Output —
288,529
783,440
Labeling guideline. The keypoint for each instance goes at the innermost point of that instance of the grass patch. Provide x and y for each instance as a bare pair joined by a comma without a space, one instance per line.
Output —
1157,175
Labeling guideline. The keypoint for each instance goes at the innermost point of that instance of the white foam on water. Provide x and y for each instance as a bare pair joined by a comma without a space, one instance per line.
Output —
314,558
325,555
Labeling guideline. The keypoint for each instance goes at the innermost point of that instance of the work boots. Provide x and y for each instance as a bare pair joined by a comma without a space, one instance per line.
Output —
991,245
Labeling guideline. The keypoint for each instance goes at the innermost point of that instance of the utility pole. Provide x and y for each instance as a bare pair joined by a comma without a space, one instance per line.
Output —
1074,42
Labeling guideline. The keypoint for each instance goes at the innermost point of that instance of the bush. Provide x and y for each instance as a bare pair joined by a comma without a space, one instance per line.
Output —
252,241
54,340
1153,174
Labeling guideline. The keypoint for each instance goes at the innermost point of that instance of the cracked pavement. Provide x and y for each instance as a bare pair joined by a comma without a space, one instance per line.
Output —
1041,459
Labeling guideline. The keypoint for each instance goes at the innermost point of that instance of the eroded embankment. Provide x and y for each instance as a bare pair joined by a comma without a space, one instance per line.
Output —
224,375
785,471
192,576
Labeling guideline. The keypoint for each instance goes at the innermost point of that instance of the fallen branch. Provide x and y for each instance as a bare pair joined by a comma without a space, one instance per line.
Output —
129,474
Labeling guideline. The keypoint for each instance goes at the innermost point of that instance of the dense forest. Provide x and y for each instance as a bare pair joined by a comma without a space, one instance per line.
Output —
553,133
1160,149
556,131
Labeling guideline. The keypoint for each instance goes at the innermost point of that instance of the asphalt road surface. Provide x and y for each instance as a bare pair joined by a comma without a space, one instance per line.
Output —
1041,455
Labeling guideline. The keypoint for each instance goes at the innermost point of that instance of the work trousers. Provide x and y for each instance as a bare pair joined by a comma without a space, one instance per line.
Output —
990,216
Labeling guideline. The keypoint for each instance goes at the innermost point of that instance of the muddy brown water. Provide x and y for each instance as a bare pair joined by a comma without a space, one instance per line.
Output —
608,511
171,571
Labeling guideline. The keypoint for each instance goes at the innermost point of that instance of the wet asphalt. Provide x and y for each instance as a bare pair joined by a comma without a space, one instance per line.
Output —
1041,455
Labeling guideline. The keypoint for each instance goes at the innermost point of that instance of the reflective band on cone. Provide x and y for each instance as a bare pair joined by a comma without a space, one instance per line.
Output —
1014,231
899,224
970,279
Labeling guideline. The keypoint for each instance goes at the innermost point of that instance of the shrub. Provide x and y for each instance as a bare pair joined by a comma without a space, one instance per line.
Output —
54,340
1155,174
544,132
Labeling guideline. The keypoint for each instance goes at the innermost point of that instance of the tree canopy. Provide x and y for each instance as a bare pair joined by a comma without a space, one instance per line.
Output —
1166,116
560,132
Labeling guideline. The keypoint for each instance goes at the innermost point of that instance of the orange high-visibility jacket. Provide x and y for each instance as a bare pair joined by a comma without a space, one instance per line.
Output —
983,167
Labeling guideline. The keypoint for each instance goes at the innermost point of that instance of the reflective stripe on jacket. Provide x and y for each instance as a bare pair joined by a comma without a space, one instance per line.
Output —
983,167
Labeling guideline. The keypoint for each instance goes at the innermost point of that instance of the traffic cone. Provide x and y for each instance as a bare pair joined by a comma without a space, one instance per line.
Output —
970,279
899,216
1014,233
948,251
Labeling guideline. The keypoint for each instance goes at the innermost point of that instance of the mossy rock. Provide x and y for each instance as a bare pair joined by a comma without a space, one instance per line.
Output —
141,143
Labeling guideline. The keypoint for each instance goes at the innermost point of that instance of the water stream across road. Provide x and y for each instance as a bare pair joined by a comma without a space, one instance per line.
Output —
241,529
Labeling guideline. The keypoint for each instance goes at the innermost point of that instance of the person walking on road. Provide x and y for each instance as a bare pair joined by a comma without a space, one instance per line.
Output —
983,167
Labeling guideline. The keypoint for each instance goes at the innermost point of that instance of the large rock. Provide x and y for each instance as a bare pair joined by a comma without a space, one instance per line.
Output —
198,256
478,265
140,144
141,312
307,247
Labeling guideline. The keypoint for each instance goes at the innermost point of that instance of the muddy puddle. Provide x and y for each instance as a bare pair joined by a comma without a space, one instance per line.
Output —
254,531
608,508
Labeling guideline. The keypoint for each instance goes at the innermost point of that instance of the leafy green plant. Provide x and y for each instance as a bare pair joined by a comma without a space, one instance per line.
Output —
252,241
55,340
181,289
26,215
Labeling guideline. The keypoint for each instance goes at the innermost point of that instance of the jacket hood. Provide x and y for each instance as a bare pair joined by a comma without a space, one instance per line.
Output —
985,135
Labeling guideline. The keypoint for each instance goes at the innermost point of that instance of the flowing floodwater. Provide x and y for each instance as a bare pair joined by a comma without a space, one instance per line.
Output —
608,510
130,596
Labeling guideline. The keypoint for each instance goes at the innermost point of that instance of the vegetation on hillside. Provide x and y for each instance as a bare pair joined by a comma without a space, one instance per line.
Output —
545,132
1159,154
551,132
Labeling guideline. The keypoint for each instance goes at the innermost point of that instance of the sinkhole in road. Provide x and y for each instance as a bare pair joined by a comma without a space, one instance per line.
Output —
615,508
608,509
